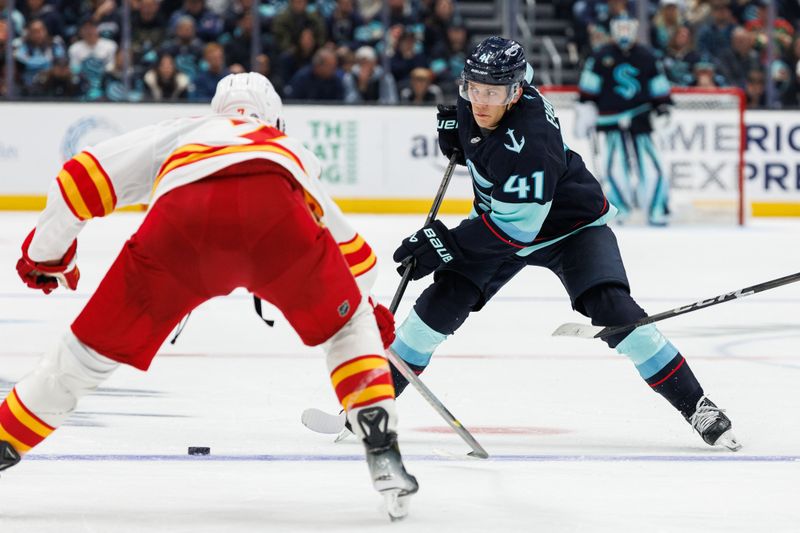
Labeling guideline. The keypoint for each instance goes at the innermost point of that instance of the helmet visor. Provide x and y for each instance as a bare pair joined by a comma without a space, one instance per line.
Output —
483,94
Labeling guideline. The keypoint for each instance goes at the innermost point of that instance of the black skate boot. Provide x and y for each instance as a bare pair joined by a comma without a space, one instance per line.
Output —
8,455
389,476
712,424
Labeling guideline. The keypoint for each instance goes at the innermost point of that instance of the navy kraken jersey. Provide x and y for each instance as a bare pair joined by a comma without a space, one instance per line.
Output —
530,189
625,85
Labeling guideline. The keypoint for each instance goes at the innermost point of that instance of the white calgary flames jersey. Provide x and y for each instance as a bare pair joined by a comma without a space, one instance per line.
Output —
141,166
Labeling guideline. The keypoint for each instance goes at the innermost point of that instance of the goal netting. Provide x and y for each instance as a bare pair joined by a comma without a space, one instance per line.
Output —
702,152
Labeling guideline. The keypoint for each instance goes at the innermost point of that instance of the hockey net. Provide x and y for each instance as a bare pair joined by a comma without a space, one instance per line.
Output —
702,152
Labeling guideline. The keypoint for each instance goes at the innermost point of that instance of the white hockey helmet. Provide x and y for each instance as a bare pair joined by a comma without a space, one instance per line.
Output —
624,30
250,94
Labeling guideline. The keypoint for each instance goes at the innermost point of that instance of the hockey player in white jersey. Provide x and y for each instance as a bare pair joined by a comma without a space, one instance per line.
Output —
234,202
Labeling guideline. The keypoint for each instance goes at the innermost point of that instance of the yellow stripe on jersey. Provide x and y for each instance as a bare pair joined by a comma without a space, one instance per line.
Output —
352,246
364,265
73,195
362,364
100,181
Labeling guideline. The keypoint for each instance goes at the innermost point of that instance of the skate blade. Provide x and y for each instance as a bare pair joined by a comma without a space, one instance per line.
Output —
397,503
728,439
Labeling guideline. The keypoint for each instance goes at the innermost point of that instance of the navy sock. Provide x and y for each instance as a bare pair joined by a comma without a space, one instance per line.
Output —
676,383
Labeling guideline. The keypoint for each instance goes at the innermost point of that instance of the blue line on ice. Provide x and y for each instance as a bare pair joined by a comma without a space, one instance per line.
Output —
721,457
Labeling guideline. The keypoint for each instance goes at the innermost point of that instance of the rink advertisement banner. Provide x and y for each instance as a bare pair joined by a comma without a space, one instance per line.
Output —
386,159
373,158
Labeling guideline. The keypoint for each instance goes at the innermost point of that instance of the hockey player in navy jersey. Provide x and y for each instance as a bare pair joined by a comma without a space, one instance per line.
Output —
625,94
535,204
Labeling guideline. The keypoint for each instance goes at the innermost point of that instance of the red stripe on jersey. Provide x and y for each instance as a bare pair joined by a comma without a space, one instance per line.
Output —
86,187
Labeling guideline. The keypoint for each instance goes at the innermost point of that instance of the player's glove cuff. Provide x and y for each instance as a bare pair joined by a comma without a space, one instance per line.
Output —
426,250
447,129
46,277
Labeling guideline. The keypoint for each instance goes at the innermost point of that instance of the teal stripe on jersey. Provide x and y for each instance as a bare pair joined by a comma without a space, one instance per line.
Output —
613,119
480,180
648,349
521,222
416,341
602,221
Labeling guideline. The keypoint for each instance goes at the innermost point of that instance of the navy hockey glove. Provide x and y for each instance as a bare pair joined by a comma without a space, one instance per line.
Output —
447,128
427,250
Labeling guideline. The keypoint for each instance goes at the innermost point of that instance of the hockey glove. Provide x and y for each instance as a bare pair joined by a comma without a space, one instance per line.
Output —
385,320
661,118
47,276
426,250
447,128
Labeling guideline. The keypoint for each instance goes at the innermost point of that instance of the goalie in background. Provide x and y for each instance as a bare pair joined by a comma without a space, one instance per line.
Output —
625,94
234,202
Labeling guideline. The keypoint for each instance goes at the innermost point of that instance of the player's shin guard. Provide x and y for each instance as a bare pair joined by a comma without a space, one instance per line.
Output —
43,399
359,370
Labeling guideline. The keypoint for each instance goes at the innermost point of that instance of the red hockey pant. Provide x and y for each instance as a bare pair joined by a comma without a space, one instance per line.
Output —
247,226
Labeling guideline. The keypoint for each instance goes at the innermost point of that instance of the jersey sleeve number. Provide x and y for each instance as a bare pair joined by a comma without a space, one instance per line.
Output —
519,184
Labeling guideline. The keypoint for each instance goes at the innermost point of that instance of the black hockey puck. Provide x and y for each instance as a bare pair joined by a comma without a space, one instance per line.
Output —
199,450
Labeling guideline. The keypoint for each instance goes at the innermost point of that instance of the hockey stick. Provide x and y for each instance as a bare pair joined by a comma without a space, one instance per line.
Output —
587,331
397,361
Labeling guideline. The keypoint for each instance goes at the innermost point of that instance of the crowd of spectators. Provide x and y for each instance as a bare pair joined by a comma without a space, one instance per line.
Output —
336,50
346,50
708,43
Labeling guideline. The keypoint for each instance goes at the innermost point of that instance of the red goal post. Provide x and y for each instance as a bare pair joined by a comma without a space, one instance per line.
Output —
702,152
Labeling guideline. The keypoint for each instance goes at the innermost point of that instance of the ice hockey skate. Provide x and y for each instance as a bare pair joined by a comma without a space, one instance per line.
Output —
389,476
713,425
8,455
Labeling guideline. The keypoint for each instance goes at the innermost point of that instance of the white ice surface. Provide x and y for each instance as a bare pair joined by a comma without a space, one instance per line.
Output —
578,442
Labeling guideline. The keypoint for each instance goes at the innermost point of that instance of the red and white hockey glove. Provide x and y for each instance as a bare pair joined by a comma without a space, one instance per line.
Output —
46,276
385,320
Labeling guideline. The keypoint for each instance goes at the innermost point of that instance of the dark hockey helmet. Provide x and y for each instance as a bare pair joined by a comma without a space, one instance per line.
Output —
495,61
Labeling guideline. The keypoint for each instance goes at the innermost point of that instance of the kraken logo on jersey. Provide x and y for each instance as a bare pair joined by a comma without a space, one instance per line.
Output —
627,84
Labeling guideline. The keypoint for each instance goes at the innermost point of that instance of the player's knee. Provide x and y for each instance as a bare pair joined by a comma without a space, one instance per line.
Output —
447,303
359,336
610,305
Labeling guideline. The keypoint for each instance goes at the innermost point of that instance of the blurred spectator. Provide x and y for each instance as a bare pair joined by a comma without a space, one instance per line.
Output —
421,89
591,19
263,66
714,36
90,56
57,82
17,19
290,22
238,43
370,9
346,58
165,82
407,57
318,81
299,55
148,31
448,59
705,75
106,15
114,82
680,58
184,47
697,12
208,25
36,51
668,19
436,25
735,62
342,23
367,82
754,89
40,9
215,69
782,32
